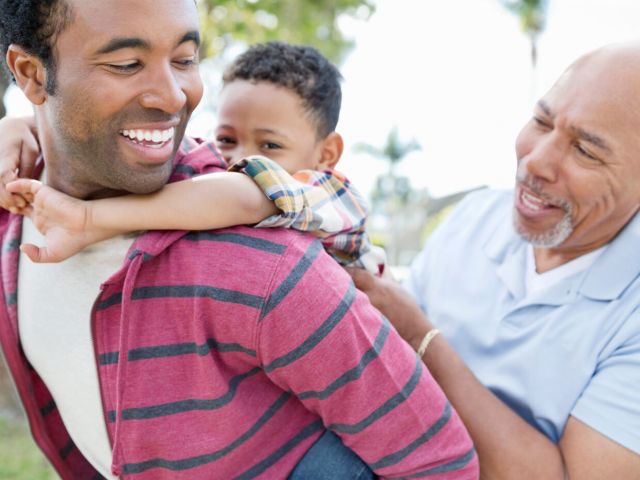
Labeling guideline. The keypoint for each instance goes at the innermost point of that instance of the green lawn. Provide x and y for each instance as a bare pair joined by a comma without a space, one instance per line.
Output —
20,459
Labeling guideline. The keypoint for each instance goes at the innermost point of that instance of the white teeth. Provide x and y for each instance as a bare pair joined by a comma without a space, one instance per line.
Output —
532,202
155,136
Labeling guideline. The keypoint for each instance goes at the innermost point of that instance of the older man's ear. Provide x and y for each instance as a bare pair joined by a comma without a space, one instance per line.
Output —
29,72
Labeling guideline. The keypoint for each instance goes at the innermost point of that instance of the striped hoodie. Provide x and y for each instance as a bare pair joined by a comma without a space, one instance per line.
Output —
225,354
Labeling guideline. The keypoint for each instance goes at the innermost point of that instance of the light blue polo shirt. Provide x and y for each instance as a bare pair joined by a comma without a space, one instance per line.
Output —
572,349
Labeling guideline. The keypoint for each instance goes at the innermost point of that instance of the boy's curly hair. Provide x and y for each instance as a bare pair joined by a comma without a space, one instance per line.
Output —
300,68
34,25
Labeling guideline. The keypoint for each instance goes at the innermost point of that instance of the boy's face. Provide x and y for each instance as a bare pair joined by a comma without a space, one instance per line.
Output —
266,119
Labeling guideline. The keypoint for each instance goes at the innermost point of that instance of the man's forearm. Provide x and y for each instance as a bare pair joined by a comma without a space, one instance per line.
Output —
508,447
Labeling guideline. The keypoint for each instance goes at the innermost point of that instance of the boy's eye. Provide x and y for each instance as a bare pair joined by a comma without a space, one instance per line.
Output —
271,146
224,140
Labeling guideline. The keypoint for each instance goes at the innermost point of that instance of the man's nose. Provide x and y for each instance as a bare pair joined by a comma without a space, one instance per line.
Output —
544,158
163,91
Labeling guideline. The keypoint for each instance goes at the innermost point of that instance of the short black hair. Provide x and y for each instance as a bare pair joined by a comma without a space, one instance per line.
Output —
300,68
34,25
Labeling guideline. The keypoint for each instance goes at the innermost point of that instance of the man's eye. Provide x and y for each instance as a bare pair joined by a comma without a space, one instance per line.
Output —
124,68
585,153
187,62
541,122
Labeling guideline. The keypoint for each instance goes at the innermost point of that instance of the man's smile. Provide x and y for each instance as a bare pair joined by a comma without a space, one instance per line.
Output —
153,145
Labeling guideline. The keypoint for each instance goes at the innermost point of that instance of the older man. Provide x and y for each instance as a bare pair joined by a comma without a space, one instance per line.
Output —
213,355
537,291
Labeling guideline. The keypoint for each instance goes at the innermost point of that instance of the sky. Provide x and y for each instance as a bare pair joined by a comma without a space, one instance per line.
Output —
454,75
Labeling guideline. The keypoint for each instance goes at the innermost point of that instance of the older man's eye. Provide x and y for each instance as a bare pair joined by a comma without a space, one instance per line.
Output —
585,153
542,123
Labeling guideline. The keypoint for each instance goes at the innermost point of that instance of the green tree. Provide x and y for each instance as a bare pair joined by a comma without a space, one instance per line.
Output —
393,151
391,191
312,22
533,16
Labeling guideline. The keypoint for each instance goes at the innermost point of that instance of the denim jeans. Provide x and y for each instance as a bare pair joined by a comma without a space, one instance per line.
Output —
329,459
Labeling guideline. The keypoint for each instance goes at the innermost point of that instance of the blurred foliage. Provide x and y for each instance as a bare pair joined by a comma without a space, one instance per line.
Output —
19,457
390,190
532,15
311,22
434,221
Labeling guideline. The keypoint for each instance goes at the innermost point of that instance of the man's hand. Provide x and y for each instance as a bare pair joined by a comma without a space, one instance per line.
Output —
64,221
395,303
19,150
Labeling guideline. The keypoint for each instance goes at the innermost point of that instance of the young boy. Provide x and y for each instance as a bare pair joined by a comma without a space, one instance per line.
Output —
280,101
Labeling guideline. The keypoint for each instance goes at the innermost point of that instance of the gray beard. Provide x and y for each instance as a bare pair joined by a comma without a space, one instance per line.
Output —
552,237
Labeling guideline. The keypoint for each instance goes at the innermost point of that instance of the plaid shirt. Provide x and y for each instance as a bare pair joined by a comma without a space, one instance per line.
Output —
323,203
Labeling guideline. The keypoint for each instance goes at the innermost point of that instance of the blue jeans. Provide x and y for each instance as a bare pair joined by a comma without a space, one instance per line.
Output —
329,459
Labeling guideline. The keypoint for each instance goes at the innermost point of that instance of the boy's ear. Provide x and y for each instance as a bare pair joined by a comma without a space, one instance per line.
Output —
331,152
29,72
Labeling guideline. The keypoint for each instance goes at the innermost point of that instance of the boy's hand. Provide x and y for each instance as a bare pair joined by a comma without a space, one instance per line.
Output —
64,221
19,151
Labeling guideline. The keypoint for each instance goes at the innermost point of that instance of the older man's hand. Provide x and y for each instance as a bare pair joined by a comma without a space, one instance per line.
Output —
395,303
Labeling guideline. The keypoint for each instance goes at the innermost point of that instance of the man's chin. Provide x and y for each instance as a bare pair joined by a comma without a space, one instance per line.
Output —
550,237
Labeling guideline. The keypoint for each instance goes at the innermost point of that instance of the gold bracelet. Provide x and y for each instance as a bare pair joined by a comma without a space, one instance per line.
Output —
426,340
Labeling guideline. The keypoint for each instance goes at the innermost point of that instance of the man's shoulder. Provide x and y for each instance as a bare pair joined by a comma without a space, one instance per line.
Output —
479,213
263,246
485,202
195,157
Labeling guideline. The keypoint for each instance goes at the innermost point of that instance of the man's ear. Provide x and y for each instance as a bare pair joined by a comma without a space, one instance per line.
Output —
332,147
29,72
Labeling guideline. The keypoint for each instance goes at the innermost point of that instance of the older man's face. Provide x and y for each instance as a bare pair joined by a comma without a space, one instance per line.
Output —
579,157
127,82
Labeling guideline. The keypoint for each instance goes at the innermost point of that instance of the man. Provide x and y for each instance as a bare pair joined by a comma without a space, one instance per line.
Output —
536,292
210,355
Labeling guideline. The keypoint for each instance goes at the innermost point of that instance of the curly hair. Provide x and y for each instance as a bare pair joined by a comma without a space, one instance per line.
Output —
300,68
34,25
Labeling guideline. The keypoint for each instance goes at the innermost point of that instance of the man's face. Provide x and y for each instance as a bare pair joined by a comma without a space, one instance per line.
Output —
579,157
266,119
127,82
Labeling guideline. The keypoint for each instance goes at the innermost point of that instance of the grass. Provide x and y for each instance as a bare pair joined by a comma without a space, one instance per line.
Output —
20,459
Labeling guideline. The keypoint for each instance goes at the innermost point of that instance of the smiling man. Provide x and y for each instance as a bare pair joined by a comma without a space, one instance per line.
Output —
221,354
537,291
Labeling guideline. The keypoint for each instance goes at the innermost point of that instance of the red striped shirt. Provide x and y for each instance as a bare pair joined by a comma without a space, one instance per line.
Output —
225,354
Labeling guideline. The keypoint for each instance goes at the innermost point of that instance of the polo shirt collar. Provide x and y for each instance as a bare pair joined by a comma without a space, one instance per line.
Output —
504,247
617,267
606,279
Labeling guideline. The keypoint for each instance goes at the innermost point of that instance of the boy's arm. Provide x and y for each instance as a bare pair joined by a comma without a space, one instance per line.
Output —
19,150
209,201
323,203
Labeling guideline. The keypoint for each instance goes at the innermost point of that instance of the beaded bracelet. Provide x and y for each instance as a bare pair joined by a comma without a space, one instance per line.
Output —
426,340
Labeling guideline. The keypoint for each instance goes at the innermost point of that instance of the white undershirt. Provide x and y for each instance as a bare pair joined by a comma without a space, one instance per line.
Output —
536,282
54,315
